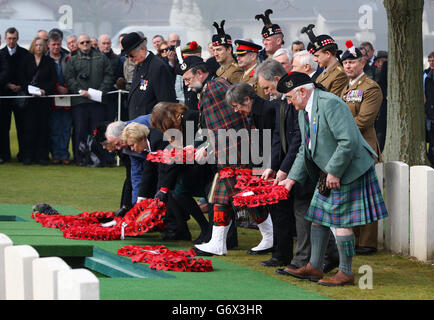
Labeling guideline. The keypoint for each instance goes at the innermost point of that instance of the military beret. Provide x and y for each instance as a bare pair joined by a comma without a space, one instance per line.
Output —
221,38
188,63
352,53
292,80
191,48
243,47
269,28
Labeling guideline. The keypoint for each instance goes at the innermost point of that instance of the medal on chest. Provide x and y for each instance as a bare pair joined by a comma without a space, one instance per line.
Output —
143,84
354,96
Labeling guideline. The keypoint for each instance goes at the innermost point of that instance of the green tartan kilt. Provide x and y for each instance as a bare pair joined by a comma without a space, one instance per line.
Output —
357,203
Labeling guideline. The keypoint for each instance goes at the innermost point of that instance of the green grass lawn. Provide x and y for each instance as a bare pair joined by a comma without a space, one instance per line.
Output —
99,189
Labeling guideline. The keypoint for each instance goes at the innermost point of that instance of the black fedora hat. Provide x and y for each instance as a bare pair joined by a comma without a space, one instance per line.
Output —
131,41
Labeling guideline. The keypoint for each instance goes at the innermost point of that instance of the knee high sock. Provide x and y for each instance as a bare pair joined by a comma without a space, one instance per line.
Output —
221,215
345,246
319,238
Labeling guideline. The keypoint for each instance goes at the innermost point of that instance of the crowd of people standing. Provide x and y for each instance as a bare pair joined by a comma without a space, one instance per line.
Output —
326,112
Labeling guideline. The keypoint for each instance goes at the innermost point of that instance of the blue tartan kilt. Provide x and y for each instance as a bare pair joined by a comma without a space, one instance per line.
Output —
357,203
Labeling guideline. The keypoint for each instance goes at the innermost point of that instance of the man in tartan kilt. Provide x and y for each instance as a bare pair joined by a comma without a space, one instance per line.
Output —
215,114
334,153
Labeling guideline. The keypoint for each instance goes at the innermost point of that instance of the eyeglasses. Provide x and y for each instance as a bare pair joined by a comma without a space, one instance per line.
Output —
84,42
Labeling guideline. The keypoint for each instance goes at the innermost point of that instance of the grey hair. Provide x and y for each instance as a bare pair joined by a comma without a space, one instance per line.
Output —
114,129
307,58
238,92
307,86
269,69
281,51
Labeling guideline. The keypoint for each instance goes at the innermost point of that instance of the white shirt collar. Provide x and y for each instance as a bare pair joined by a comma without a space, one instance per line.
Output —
309,104
356,79
311,75
12,51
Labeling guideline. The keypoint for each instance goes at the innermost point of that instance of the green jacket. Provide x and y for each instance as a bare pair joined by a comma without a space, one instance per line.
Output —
337,146
98,69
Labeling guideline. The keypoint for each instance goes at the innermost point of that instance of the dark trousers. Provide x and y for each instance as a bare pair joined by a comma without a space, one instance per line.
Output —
35,129
7,106
282,215
85,118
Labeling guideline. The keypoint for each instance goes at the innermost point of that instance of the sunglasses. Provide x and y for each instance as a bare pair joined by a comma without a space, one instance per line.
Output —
84,42
164,50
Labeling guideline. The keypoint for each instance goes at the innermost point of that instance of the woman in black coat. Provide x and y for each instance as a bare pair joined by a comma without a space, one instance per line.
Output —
39,71
183,180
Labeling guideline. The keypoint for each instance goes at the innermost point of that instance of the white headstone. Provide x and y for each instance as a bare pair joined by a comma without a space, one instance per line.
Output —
422,212
397,203
45,277
18,271
77,284
5,241
379,167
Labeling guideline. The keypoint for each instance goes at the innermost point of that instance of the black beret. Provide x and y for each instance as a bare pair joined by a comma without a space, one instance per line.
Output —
352,53
188,63
292,80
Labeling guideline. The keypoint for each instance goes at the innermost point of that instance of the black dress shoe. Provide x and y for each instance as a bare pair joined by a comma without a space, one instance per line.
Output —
282,271
27,162
365,250
274,262
265,251
202,253
2,161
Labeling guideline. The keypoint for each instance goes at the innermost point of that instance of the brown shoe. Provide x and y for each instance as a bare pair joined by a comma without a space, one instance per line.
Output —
339,279
306,272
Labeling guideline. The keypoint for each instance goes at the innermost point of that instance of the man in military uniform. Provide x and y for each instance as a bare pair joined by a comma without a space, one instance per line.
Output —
222,46
364,97
247,57
272,36
325,50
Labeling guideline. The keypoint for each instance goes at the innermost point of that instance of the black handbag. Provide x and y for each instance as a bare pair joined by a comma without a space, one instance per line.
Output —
322,186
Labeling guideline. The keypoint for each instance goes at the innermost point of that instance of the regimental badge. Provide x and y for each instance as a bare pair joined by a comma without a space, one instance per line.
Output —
183,66
270,31
143,84
222,39
289,84
354,96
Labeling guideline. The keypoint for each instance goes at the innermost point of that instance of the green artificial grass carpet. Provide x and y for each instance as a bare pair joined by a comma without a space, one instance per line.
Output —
229,281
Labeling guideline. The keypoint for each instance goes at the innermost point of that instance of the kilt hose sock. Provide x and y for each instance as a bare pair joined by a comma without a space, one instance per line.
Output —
346,250
319,238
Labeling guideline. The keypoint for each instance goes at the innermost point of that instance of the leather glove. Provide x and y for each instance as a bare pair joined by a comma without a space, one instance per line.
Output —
121,212
121,84
162,195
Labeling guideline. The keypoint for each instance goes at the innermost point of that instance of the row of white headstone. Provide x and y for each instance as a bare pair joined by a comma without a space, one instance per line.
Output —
26,276
409,197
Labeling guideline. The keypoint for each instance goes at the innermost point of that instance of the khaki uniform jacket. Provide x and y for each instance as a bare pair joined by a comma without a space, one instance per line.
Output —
231,72
334,79
249,77
364,99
